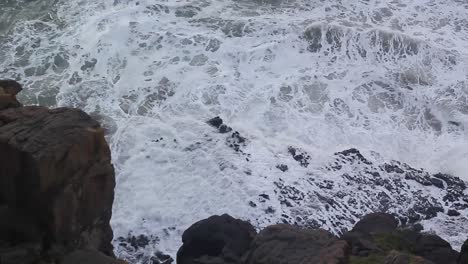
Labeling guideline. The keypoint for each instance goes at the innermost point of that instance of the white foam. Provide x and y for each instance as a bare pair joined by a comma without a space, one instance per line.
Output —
155,78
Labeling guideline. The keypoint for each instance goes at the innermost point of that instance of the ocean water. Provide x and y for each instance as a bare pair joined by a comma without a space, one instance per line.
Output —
389,78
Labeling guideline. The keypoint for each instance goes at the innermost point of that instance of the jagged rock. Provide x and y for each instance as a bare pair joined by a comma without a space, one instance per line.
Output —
8,91
290,244
463,257
59,174
89,257
376,223
218,239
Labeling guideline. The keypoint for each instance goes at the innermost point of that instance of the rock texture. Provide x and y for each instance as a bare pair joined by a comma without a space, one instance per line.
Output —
463,257
8,91
290,244
218,239
56,183
375,239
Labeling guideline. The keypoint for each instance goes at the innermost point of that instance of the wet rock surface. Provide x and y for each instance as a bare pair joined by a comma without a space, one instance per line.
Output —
56,184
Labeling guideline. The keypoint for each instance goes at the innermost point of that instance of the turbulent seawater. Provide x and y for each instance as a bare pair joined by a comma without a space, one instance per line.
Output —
387,78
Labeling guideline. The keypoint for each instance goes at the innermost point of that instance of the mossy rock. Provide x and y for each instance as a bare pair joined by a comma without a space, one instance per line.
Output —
393,241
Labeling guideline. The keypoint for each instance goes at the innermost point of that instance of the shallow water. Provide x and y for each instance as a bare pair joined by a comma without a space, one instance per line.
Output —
385,77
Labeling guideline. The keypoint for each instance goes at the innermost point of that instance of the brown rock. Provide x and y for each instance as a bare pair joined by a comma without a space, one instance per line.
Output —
59,171
290,244
8,91
10,87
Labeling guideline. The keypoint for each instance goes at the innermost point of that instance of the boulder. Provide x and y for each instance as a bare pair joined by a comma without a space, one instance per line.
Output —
435,249
463,257
218,239
8,91
361,239
376,223
57,172
290,244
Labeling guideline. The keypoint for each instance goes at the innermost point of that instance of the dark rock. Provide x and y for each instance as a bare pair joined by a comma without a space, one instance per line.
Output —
290,244
376,223
452,212
17,227
59,171
282,167
89,257
463,257
27,253
10,87
417,227
437,183
8,91
89,65
429,211
435,249
223,129
218,239
361,244
236,141
300,156
353,154
392,168
140,241
215,122
161,258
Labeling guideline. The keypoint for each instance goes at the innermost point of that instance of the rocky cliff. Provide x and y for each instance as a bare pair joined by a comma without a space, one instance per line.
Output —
56,184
